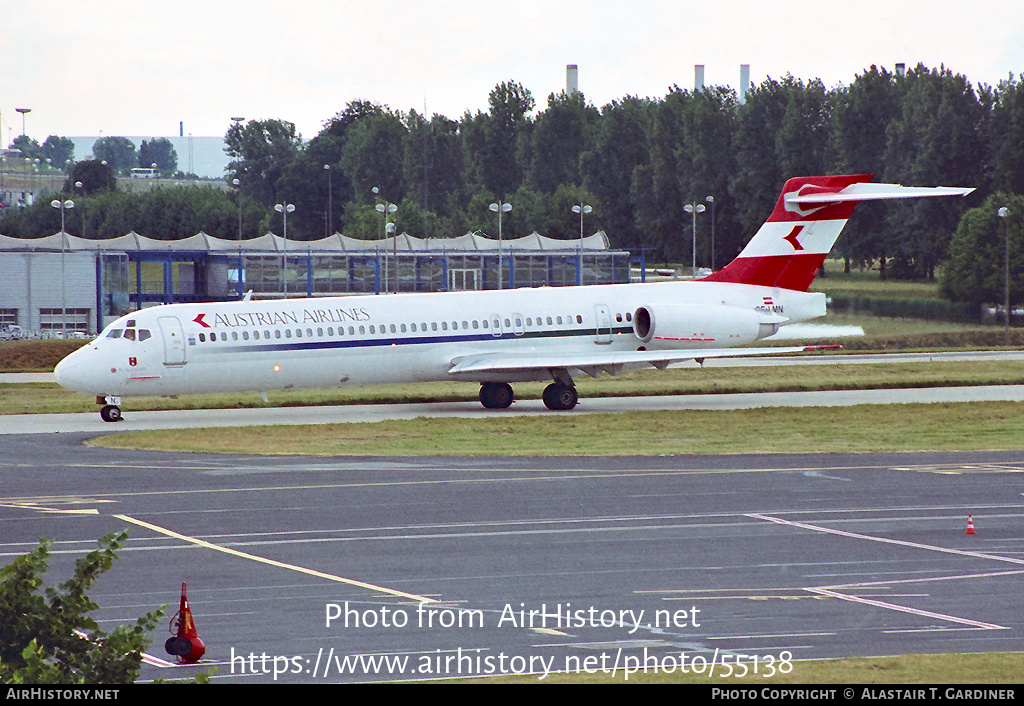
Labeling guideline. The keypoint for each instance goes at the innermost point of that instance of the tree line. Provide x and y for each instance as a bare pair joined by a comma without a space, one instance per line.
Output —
118,152
636,161
639,161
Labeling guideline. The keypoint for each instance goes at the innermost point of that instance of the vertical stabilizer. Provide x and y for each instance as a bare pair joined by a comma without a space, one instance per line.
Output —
788,250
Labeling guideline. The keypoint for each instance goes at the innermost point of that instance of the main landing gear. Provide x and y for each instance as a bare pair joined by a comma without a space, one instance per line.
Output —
557,396
560,397
496,395
110,412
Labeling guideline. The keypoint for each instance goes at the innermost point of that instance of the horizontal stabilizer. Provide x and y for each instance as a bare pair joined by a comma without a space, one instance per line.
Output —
874,192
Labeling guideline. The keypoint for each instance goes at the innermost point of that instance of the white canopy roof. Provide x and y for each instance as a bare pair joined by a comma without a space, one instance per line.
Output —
272,243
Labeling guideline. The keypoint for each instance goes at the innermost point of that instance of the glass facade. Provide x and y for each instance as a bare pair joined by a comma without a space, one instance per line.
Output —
134,279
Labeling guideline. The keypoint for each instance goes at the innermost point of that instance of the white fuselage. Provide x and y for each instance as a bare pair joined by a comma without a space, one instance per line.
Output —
360,340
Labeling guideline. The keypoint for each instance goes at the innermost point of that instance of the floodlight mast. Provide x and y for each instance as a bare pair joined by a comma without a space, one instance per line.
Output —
580,209
284,209
500,207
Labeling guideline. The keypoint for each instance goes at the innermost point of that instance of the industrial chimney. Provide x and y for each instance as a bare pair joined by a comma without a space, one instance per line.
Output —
698,77
571,80
744,82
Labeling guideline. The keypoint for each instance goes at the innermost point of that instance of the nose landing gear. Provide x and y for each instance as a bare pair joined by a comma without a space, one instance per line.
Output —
110,411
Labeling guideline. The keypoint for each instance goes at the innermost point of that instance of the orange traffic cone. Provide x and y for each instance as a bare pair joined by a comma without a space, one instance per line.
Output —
186,643
970,526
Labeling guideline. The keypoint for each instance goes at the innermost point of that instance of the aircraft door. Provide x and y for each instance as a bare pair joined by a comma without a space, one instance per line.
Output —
604,323
174,340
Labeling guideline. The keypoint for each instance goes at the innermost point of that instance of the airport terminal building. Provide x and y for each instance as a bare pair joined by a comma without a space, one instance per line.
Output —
62,282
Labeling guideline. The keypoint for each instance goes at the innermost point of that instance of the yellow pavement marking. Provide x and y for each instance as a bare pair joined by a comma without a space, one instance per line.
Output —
272,562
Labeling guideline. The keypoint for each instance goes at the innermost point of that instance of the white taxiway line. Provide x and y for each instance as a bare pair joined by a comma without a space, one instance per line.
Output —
827,590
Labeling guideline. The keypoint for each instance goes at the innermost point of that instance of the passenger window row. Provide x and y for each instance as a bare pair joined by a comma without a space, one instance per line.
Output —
383,329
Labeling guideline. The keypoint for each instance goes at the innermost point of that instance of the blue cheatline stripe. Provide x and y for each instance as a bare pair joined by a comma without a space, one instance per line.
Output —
216,347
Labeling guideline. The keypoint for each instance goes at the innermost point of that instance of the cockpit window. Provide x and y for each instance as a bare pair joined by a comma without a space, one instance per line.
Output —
129,334
144,334
115,333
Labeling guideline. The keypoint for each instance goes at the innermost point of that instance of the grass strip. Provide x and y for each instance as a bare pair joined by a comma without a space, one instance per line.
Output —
44,398
968,426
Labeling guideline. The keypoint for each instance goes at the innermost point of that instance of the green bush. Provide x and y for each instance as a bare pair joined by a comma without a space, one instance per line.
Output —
52,639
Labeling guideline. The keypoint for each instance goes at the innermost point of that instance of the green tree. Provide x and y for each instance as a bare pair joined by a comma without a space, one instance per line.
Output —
706,166
161,152
1006,135
373,156
434,167
50,637
560,136
260,150
118,152
491,140
165,213
562,222
936,139
656,189
30,148
774,136
94,175
323,154
862,112
530,212
975,271
362,221
58,150
620,146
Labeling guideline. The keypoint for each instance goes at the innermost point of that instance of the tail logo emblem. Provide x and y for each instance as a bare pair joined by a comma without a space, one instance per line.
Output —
795,207
791,238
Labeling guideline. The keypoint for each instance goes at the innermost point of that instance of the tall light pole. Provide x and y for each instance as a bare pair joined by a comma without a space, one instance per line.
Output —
500,207
711,200
389,229
63,205
1004,213
284,209
238,195
694,208
330,200
23,111
386,209
581,209
78,185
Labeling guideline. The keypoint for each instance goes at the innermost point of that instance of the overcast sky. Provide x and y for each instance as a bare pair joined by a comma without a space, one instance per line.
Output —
138,67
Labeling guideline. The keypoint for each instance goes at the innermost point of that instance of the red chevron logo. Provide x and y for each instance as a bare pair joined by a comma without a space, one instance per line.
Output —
791,238
199,320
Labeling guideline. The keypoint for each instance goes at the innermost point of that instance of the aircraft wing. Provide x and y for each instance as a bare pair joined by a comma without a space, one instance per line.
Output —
593,364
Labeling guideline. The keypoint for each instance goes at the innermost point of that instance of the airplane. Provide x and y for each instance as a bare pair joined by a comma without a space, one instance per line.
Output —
494,337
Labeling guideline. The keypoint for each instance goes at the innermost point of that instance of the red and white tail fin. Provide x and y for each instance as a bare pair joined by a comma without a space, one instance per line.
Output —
788,249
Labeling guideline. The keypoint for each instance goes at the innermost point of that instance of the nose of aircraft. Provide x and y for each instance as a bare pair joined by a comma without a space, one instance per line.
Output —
72,373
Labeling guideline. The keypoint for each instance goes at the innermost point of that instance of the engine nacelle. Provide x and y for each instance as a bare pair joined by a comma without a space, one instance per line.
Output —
677,326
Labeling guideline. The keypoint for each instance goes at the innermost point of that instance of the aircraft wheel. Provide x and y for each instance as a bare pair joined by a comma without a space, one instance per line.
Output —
560,397
496,395
111,413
